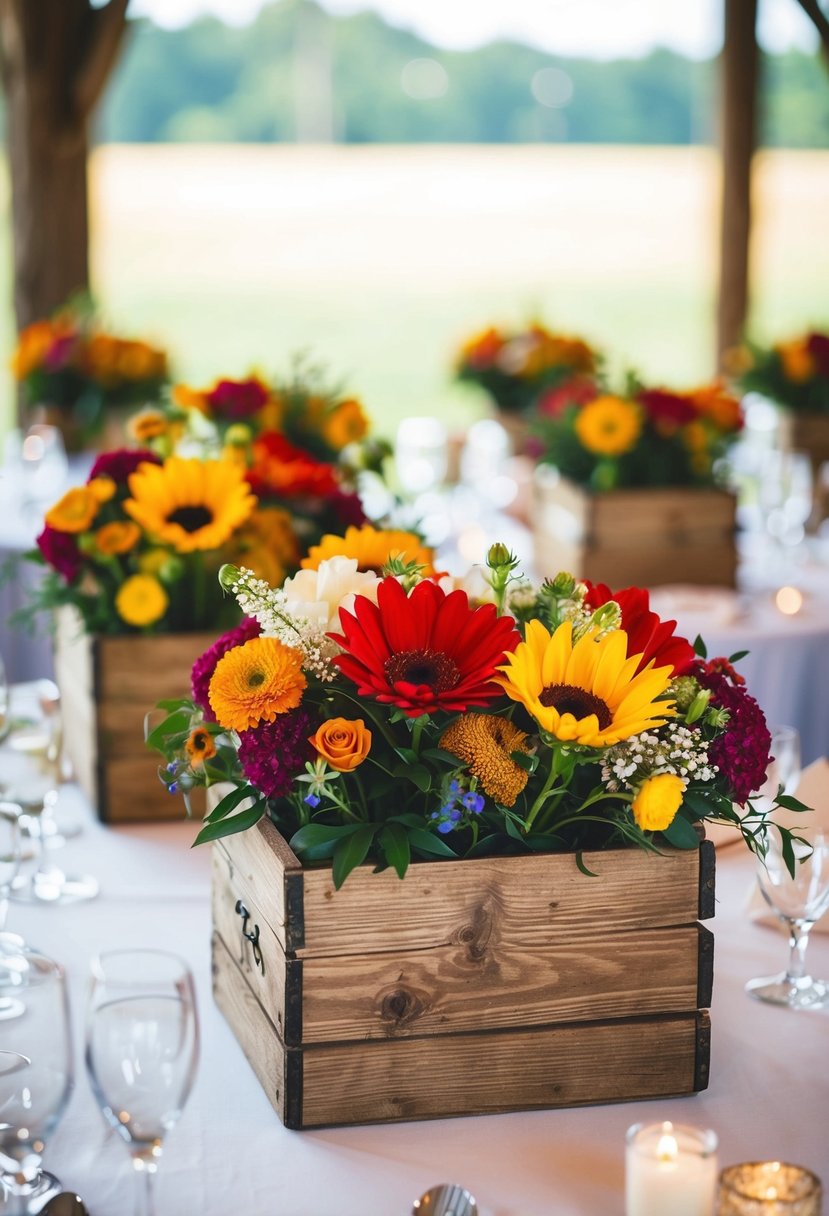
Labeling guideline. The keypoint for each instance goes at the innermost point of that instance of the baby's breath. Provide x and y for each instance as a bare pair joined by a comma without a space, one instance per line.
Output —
270,607
673,749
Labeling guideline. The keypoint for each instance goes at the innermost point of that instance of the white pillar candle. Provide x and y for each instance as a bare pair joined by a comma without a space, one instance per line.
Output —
670,1168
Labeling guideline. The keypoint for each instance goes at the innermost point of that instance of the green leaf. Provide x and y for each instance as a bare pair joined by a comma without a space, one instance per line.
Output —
440,754
351,852
418,774
739,654
513,829
395,844
425,842
314,834
790,803
700,648
172,706
580,862
158,736
228,827
528,763
229,803
407,754
681,834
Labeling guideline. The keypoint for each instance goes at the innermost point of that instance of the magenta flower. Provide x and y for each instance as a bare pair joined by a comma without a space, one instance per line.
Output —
273,753
120,464
742,752
236,400
204,666
60,549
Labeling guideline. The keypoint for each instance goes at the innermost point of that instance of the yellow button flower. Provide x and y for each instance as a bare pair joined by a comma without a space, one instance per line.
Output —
657,802
141,600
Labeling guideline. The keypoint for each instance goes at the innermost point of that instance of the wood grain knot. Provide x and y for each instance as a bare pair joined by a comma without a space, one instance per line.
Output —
401,1006
475,936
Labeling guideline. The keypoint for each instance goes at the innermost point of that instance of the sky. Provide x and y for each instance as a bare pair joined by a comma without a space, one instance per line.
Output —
602,29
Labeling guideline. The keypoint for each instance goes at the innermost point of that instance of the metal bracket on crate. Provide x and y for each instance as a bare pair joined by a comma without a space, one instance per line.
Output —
253,937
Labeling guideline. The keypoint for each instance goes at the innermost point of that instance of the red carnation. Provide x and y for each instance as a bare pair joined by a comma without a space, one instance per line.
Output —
120,464
667,411
236,400
647,634
282,470
818,347
60,549
425,651
577,390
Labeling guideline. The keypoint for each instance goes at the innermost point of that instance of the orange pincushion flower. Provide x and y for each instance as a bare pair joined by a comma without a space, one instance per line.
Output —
200,746
485,743
372,549
117,537
256,683
343,742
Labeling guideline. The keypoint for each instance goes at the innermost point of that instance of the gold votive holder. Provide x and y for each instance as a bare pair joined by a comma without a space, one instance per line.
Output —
769,1188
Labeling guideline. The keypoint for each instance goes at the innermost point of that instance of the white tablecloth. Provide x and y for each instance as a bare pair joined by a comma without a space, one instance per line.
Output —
229,1156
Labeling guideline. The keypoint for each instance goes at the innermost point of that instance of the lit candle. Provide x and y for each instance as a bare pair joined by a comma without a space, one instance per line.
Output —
670,1168
769,1188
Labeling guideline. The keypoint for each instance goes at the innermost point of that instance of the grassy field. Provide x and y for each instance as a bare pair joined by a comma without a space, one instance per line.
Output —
380,259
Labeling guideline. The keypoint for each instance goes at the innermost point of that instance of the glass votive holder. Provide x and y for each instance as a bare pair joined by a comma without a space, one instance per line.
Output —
769,1188
670,1167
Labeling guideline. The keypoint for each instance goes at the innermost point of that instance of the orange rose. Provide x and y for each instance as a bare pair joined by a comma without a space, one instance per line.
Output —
343,743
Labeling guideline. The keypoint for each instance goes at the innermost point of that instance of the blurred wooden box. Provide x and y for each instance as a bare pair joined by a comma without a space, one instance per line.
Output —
809,433
645,537
107,686
469,987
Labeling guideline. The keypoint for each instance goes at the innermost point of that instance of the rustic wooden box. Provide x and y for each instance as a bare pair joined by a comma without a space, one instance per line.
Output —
469,987
647,537
107,686
810,433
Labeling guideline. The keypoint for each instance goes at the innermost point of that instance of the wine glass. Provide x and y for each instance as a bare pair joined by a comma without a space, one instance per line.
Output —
35,1080
4,701
785,757
10,1006
35,785
786,495
142,1042
799,902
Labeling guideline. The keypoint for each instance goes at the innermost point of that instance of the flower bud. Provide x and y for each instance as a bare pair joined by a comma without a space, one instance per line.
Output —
563,585
698,706
500,556
228,576
238,435
606,617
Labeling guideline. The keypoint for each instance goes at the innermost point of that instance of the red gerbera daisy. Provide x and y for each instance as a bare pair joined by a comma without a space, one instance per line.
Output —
289,472
647,634
424,651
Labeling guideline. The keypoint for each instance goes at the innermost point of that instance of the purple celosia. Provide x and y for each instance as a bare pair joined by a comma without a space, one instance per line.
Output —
119,464
60,549
273,753
741,752
204,666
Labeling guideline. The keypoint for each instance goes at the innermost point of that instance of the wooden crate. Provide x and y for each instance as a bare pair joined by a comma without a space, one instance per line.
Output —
107,686
644,537
810,433
469,987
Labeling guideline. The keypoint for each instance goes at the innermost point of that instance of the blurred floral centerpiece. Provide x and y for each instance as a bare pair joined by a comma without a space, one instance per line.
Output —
382,714
793,373
77,376
514,366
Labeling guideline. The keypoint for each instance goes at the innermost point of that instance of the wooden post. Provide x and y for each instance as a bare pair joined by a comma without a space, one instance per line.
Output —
739,90
56,57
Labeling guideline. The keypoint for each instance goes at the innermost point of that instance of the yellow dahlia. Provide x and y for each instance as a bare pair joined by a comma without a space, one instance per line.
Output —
372,548
189,504
141,600
608,426
256,683
585,692
657,802
485,743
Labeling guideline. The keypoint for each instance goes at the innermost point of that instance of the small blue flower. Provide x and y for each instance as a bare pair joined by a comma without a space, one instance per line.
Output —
312,799
473,802
172,788
445,827
172,766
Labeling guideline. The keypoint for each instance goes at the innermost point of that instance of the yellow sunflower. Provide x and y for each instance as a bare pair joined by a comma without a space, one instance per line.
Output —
255,683
189,504
141,600
608,426
486,742
585,692
372,548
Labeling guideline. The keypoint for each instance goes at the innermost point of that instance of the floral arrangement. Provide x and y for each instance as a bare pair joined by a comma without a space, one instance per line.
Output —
71,364
795,373
514,367
644,437
380,712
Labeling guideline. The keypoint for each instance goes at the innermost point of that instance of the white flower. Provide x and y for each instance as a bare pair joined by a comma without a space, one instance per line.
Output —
318,595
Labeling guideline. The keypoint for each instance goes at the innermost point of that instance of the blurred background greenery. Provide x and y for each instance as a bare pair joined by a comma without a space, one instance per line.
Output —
338,185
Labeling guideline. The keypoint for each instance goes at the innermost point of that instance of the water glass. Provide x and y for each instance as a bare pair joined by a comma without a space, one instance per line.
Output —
142,1043
769,1188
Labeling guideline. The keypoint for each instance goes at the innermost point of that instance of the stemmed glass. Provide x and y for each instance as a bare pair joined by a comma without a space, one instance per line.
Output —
799,902
35,1081
36,787
10,1006
4,701
142,1042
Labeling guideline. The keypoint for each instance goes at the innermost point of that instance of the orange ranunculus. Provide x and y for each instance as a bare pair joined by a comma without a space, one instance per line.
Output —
33,347
721,407
117,537
138,361
189,398
346,423
100,358
343,742
796,360
482,350
75,511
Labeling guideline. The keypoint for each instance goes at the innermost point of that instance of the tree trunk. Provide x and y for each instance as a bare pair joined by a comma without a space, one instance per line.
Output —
739,90
56,56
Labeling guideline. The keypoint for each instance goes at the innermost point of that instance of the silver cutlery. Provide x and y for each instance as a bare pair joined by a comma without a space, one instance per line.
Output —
446,1200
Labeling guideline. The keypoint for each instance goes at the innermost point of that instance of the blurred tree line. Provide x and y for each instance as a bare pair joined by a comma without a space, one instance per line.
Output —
298,73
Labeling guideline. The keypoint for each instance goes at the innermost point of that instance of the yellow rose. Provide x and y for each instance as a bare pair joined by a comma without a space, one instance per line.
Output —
141,600
657,802
343,743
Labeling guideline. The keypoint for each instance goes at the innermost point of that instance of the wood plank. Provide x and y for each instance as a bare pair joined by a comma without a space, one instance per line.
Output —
485,1073
261,861
256,1034
533,899
487,986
